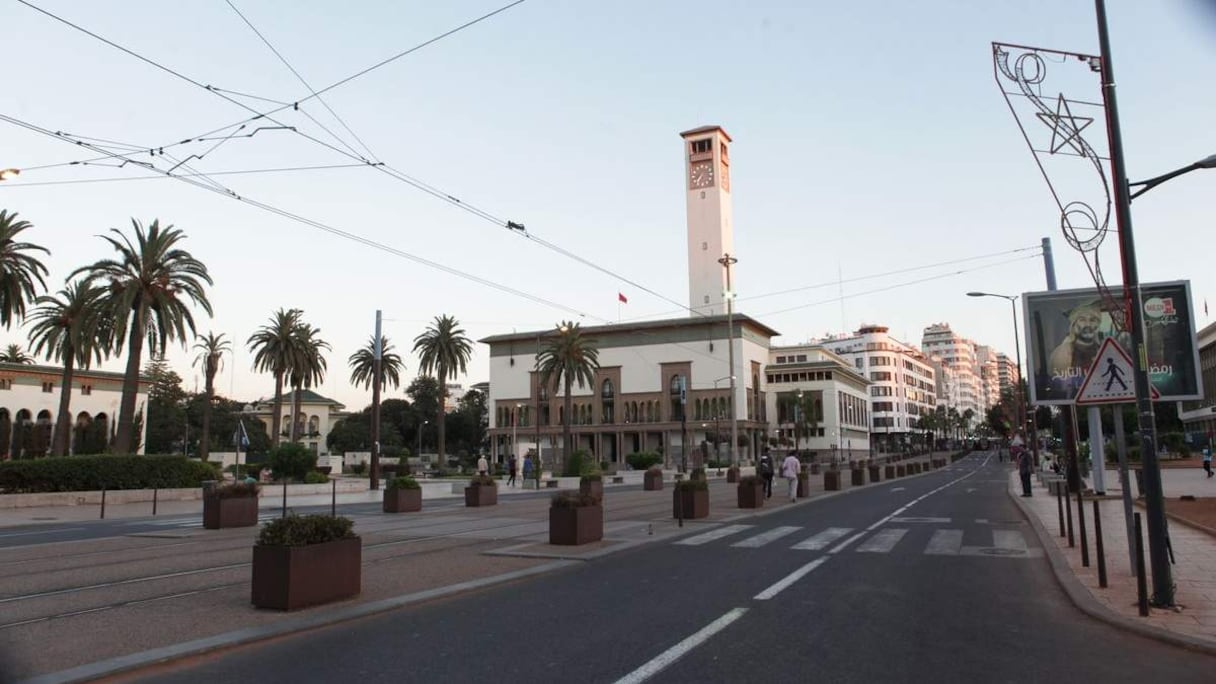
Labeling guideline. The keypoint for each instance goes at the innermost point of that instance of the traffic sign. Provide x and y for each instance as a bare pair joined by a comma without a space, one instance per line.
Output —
1110,378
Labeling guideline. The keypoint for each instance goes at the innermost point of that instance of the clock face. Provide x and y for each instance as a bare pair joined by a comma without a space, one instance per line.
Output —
701,174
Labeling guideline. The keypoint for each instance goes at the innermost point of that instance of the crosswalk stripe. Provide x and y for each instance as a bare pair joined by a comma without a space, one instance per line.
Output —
766,537
883,541
706,537
945,543
1009,539
822,540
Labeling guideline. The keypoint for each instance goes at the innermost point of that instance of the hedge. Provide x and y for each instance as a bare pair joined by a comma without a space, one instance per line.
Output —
90,473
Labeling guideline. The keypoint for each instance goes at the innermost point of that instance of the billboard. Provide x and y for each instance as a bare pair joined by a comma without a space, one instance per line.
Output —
1066,328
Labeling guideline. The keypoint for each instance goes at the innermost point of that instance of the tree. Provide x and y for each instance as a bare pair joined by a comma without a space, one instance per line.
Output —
965,421
362,362
21,273
443,348
149,287
167,419
568,357
306,368
15,353
211,349
273,346
70,329
806,417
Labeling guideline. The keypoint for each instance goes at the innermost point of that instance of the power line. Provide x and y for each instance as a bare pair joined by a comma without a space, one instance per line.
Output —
238,172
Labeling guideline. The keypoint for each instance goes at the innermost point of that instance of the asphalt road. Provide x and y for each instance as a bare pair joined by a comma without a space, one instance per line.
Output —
929,578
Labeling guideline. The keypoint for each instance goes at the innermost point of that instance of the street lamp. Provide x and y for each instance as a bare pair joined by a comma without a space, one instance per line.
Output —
1017,342
420,428
514,437
9,174
798,426
1208,162
729,295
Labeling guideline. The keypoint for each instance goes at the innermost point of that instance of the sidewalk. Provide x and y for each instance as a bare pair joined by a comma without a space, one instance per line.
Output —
144,598
1193,622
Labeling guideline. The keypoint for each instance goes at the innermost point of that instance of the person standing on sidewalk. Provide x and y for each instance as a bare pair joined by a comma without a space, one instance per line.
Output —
483,466
527,469
511,472
1025,468
1207,460
766,474
789,470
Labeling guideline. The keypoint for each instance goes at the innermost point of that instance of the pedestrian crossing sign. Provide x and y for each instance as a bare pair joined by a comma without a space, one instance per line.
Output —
1110,378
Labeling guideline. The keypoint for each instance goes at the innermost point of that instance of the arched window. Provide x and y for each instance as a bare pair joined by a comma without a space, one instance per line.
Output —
650,412
561,415
677,409
314,426
607,403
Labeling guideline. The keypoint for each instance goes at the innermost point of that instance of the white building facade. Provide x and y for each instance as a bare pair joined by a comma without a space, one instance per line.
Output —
835,397
963,391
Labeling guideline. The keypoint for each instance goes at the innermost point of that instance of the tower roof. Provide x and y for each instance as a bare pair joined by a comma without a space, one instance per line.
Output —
707,129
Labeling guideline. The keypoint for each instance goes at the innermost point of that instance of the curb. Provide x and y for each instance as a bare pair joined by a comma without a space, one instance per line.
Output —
241,637
1086,603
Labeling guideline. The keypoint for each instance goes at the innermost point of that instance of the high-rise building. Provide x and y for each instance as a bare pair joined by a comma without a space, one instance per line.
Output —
964,391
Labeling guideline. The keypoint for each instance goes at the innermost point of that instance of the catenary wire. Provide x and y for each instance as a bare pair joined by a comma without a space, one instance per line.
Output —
237,172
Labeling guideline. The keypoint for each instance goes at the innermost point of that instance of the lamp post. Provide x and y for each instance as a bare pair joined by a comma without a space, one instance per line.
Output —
420,429
798,425
514,435
727,261
9,174
1154,504
1017,345
718,414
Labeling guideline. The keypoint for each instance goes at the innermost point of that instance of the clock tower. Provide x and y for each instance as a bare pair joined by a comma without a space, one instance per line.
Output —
707,181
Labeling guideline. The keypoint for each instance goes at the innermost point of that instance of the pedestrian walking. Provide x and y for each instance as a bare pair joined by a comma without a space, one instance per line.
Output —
789,470
766,474
1207,460
483,466
1025,468
511,472
527,468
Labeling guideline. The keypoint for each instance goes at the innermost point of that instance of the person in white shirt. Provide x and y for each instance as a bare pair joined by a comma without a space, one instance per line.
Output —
483,466
789,470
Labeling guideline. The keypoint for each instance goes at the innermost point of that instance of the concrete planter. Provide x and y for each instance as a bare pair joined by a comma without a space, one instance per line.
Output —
732,474
690,504
402,500
875,473
831,481
901,470
751,495
652,482
293,577
857,477
804,485
481,495
576,526
235,511
814,468
593,487
889,472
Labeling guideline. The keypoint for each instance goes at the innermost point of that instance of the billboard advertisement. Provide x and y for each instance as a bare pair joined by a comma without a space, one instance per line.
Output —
1066,328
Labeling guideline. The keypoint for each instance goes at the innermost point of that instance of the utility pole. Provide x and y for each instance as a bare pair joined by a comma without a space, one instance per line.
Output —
727,261
377,349
1154,504
683,424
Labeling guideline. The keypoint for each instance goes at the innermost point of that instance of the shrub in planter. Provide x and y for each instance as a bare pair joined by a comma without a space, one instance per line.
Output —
690,499
482,491
751,492
652,480
301,561
575,518
291,460
697,474
642,460
593,484
402,494
230,505
315,477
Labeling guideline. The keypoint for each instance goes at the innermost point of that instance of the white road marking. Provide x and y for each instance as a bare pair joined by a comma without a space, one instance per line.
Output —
766,537
706,537
840,547
897,489
884,541
981,521
945,543
1011,540
788,580
920,520
822,540
671,655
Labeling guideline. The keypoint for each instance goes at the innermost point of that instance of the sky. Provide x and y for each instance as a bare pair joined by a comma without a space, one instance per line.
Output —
871,142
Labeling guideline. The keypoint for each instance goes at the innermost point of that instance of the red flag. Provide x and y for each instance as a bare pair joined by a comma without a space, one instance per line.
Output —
621,298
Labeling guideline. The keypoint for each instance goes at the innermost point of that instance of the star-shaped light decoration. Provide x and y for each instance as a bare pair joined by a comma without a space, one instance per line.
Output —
1065,127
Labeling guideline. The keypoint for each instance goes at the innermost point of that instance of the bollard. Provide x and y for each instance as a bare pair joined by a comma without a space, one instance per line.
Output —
1068,516
1141,582
154,496
103,502
1081,524
333,501
1098,546
284,496
1060,508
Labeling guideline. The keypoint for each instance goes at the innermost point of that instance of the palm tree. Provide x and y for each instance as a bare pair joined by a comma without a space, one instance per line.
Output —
362,362
149,290
15,353
306,368
19,269
211,349
273,347
73,330
443,348
568,357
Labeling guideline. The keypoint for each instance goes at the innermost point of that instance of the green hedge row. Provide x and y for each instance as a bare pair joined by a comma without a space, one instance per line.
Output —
86,473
